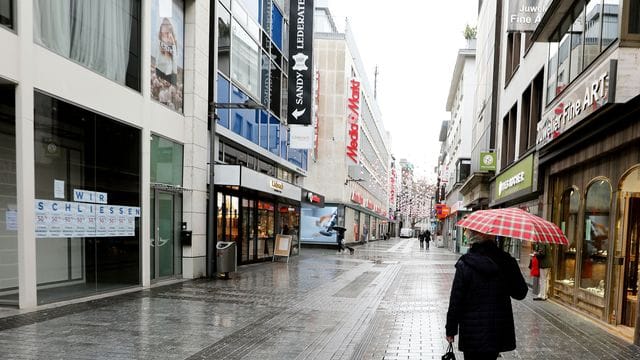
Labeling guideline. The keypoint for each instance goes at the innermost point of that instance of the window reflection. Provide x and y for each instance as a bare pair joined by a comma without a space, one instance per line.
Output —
596,237
569,205
245,60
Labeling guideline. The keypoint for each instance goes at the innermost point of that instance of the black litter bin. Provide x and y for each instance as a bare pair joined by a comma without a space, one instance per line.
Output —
226,257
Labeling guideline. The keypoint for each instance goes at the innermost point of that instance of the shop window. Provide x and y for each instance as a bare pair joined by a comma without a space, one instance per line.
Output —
245,60
87,189
568,210
596,237
166,161
224,41
110,46
266,168
6,13
266,229
8,198
634,17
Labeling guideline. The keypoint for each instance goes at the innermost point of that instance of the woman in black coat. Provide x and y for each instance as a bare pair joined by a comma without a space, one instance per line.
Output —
480,304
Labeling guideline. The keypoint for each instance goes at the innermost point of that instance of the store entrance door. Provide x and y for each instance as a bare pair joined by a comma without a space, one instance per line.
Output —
632,233
166,254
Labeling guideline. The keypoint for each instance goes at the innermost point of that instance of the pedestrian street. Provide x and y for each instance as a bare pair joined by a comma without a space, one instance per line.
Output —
387,301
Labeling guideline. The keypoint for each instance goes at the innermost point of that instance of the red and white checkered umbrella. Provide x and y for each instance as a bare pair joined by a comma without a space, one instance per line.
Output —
514,223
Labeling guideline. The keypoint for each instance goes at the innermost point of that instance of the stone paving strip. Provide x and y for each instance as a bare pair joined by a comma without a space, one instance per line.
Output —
388,301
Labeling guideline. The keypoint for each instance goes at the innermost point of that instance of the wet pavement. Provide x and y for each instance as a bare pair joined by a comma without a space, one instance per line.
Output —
388,301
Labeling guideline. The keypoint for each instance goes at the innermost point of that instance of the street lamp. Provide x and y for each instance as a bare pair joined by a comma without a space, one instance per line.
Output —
211,204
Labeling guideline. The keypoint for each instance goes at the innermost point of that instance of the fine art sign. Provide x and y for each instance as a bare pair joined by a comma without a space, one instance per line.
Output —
300,62
583,100
525,15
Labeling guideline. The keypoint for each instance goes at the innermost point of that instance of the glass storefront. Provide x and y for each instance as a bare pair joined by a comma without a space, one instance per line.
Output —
87,188
566,260
8,201
596,237
252,223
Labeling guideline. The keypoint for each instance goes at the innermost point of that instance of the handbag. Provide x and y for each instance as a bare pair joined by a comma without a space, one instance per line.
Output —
449,355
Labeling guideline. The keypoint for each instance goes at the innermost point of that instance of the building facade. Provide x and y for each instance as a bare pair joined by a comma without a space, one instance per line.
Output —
587,141
103,147
457,158
475,190
257,176
352,144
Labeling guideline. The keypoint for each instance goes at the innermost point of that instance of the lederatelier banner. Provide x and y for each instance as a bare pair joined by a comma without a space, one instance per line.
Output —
300,62
525,15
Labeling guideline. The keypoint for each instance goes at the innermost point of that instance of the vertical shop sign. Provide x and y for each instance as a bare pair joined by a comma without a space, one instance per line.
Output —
353,116
167,52
301,62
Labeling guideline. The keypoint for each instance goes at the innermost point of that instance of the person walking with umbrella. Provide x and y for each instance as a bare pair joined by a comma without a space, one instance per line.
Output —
480,310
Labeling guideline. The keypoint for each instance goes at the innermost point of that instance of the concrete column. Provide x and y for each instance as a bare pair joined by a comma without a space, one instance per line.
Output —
145,173
196,109
25,172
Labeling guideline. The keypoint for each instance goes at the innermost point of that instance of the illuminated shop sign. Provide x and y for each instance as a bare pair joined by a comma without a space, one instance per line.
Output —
357,198
312,198
276,185
353,117
587,97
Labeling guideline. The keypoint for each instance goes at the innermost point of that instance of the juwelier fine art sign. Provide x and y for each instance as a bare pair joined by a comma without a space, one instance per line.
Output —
525,15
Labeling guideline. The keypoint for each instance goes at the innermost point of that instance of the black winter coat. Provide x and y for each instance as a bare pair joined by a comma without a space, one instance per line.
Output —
480,305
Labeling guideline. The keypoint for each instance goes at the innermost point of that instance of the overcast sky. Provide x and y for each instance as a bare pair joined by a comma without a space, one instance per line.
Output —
414,43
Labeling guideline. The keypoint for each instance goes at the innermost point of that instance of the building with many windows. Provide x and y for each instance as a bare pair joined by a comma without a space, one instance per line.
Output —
257,176
587,140
456,160
103,146
352,144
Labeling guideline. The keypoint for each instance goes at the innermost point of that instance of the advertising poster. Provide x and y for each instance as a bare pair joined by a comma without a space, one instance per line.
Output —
167,52
315,224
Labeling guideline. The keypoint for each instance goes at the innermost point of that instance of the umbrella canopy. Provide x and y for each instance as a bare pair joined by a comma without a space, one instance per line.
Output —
514,223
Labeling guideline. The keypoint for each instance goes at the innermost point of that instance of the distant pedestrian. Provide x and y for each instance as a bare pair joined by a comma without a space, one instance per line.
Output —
421,239
534,272
543,254
427,238
480,305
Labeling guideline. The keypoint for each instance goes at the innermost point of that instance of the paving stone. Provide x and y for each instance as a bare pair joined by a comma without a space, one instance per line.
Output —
388,301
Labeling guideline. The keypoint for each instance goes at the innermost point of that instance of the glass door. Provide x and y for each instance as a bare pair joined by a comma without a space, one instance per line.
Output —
166,257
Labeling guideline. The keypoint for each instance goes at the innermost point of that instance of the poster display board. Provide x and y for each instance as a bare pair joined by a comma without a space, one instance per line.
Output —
316,223
282,246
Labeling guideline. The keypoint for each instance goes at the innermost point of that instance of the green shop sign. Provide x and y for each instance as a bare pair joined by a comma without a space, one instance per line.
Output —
518,177
487,161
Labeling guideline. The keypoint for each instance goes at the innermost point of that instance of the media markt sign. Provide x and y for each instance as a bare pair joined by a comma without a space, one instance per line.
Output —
516,178
487,161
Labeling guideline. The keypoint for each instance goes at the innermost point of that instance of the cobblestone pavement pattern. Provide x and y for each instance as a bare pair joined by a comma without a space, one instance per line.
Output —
388,301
